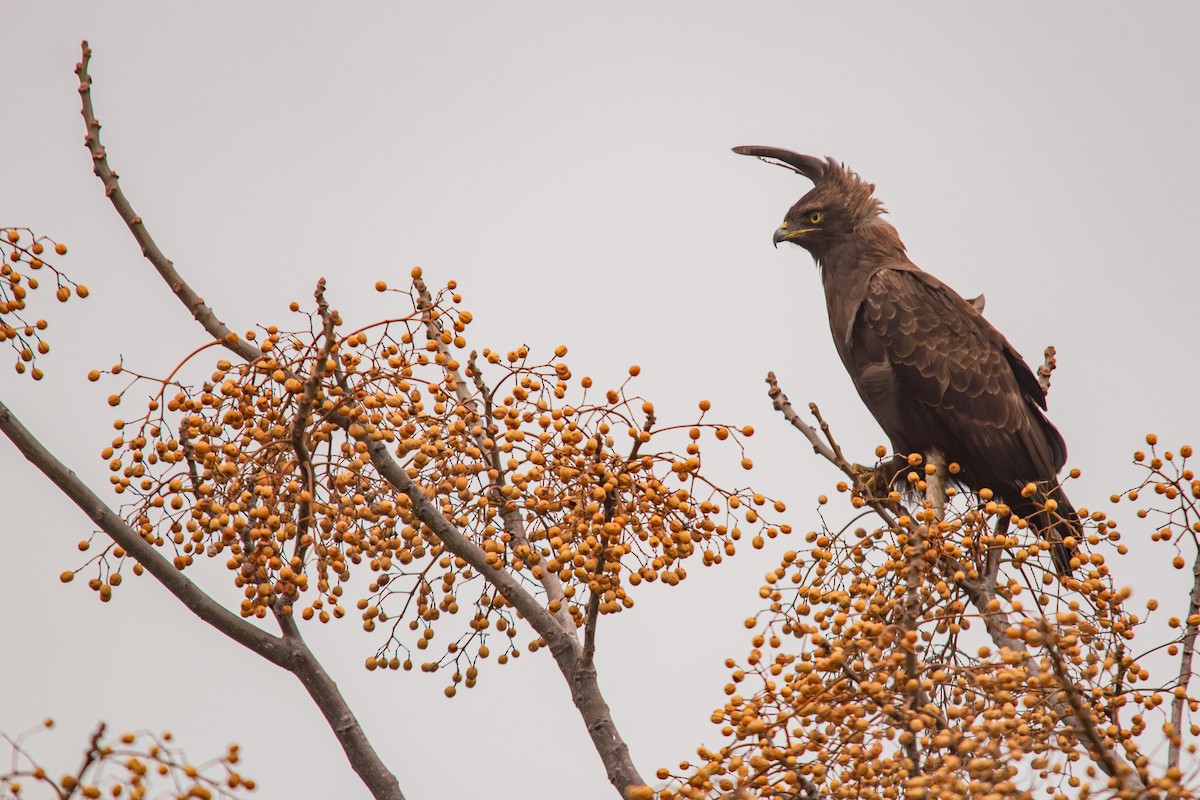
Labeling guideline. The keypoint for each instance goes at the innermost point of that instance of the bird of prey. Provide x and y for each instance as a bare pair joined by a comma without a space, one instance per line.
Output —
935,374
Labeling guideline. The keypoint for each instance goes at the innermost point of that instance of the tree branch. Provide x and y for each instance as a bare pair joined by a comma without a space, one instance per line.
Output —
112,190
291,653
780,402
565,647
580,676
1185,666
979,592
510,515
324,692
174,581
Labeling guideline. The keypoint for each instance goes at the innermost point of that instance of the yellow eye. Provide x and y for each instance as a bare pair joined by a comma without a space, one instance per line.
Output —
815,217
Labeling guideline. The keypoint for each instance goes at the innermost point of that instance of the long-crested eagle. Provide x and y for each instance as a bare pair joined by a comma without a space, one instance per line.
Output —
936,375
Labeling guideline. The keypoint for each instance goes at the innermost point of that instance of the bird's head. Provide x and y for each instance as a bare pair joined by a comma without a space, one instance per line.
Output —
839,203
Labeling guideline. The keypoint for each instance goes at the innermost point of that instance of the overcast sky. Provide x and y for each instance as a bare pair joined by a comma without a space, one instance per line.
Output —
569,165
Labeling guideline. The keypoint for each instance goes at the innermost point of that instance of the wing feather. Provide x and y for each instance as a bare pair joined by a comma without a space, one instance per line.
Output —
956,383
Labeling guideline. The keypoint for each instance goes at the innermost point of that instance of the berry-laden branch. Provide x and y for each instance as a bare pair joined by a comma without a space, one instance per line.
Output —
581,678
577,670
1012,632
514,525
292,655
1170,492
174,581
21,248
318,453
881,670
132,764
295,655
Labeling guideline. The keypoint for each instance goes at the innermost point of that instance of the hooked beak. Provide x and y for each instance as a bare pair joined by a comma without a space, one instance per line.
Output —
783,234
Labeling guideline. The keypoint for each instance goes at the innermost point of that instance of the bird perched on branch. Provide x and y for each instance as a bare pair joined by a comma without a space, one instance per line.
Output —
935,374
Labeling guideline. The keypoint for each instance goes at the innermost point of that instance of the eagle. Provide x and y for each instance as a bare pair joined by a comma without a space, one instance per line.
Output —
938,377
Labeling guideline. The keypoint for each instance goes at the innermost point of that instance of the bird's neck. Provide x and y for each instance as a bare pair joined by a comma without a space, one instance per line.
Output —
846,269
872,244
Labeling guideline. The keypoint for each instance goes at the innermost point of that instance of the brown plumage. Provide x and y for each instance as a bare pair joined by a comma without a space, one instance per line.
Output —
936,375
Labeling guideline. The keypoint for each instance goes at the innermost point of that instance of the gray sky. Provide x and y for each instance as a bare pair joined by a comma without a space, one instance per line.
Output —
569,165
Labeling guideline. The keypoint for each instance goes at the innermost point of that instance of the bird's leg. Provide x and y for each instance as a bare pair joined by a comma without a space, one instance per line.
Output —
876,482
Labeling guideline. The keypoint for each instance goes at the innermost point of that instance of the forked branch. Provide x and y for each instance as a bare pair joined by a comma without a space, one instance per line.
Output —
290,653
566,648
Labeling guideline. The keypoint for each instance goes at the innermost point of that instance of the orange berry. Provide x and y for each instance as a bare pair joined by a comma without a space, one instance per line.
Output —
60,248
380,286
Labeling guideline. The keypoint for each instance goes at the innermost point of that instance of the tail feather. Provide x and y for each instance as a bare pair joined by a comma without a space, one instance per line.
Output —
1053,526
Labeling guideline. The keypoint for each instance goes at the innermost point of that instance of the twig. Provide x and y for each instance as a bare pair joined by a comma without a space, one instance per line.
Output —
1083,721
780,402
112,190
593,614
1048,364
510,515
304,407
915,554
839,458
90,756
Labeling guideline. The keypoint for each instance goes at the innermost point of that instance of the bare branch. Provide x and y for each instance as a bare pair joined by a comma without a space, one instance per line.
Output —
780,402
304,407
91,755
112,190
1048,364
324,692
